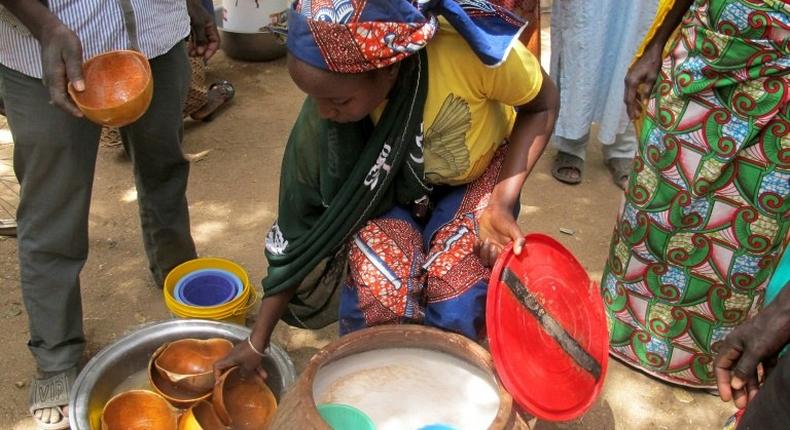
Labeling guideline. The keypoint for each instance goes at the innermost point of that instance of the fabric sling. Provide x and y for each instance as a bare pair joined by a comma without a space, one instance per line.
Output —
334,178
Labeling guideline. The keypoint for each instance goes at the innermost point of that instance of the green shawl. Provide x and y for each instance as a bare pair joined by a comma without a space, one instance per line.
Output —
334,178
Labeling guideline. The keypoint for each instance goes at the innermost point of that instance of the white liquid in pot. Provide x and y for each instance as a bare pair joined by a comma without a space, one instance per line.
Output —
409,388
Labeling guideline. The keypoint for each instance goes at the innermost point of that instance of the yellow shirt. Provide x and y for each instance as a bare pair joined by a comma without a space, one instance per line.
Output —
469,109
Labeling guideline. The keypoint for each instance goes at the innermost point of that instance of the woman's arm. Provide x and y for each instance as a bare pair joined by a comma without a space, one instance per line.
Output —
243,354
670,23
531,132
643,73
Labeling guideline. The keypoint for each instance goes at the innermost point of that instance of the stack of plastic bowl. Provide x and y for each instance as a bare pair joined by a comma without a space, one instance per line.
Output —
209,288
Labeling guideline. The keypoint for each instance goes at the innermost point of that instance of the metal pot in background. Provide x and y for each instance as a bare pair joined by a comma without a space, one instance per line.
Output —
253,31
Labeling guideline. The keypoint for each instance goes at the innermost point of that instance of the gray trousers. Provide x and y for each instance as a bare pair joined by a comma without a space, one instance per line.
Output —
54,161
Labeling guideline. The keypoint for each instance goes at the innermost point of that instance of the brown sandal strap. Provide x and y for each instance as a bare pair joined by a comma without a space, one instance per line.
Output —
563,160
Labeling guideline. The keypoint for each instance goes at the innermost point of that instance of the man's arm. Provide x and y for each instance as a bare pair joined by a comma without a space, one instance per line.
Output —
204,37
61,50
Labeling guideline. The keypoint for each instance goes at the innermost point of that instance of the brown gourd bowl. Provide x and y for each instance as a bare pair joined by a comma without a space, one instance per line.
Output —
201,416
177,396
243,403
189,363
138,410
118,88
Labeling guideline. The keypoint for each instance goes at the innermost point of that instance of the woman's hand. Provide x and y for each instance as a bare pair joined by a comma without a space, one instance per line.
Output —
242,355
640,79
755,342
534,124
496,228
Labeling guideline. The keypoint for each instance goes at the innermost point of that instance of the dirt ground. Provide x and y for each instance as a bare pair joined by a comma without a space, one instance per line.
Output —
232,194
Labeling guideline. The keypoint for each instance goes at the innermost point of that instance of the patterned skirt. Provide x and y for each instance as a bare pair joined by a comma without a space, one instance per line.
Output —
404,271
706,214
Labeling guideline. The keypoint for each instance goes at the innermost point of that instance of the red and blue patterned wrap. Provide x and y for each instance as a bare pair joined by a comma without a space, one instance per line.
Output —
355,36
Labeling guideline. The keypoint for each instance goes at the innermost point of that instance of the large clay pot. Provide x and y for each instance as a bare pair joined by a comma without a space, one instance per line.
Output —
297,409
118,88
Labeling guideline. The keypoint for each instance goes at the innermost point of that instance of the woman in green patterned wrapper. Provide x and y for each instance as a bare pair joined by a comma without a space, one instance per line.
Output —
706,212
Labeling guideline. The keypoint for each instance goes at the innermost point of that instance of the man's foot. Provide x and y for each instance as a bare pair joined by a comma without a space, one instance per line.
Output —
52,418
49,399
620,169
219,93
567,168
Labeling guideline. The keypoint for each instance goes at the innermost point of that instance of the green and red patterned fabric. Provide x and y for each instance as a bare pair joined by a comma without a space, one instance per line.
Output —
707,211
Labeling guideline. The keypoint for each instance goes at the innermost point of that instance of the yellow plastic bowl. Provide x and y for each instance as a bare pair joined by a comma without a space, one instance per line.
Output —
201,416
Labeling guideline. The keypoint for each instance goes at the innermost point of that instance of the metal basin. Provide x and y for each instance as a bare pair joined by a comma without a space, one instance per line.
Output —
254,46
116,363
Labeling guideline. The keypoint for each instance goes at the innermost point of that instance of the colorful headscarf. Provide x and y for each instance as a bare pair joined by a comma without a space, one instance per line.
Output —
354,36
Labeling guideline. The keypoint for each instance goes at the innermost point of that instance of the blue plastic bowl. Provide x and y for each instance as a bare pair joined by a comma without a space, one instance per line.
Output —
207,287
437,427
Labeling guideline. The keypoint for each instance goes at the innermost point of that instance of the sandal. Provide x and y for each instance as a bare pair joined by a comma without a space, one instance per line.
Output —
620,169
8,227
563,163
50,394
227,92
